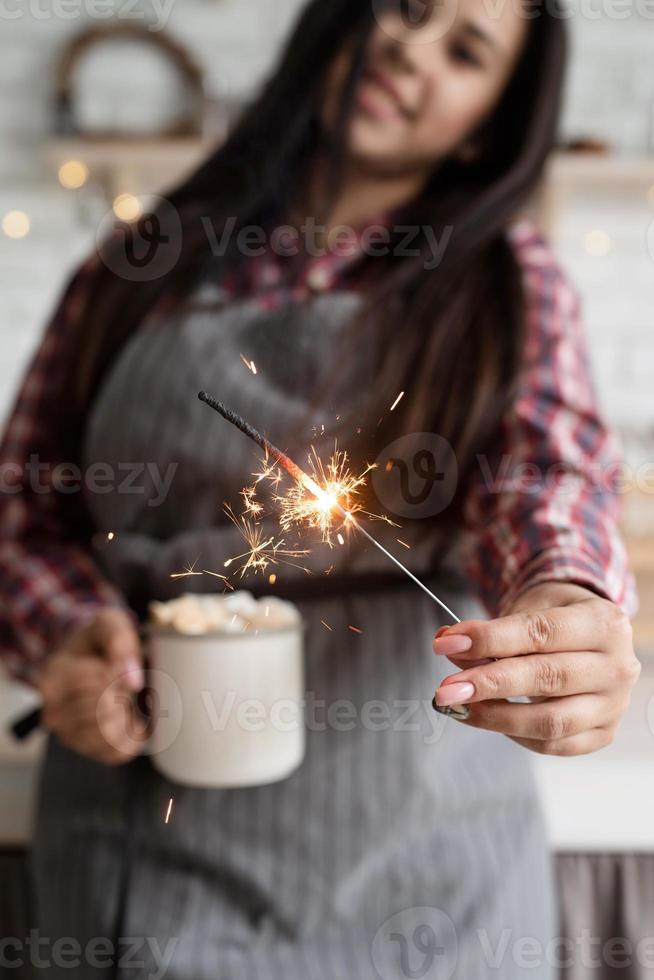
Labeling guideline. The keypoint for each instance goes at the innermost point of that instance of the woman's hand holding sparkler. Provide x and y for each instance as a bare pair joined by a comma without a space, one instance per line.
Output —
88,688
568,650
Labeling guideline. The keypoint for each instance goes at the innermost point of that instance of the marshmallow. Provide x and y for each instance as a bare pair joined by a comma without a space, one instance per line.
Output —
236,612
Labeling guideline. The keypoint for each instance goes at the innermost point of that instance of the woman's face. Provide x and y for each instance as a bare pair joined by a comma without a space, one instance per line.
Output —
430,79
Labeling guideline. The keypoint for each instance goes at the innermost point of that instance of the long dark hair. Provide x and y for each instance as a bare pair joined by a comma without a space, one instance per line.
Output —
452,337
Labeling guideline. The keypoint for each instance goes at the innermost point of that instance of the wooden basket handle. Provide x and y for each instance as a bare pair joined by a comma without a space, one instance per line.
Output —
79,47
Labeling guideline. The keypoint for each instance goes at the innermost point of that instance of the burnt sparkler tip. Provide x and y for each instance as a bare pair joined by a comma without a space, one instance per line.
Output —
206,398
216,405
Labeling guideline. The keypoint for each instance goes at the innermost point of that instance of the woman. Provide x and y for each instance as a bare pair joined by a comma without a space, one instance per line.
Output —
407,844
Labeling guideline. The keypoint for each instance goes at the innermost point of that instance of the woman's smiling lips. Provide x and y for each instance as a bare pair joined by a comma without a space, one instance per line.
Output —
379,97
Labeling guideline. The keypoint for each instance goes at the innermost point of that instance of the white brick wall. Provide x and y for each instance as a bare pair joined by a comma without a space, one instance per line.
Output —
610,94
611,81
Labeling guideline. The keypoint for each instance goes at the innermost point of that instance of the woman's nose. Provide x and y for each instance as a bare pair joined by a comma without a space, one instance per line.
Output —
416,53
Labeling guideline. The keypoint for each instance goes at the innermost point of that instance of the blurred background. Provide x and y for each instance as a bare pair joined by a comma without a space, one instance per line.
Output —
103,102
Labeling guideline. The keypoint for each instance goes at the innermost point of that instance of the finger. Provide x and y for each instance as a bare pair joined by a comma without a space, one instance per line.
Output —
63,671
99,702
592,741
90,688
73,712
587,625
88,676
119,642
551,720
92,746
550,675
100,734
124,732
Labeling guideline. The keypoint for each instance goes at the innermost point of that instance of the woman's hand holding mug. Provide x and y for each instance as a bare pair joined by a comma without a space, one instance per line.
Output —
88,688
566,649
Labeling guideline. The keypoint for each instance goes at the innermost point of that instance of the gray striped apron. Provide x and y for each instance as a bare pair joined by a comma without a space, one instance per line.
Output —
406,844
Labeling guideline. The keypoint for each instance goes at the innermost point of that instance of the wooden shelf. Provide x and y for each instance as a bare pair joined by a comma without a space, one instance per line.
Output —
134,152
161,161
141,165
600,174
608,170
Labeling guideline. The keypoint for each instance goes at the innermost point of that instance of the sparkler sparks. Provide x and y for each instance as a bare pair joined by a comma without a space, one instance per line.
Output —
170,809
333,489
189,572
205,571
262,551
250,365
330,499
252,505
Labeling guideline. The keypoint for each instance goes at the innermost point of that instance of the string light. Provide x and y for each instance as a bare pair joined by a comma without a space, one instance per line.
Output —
73,174
16,224
597,243
127,207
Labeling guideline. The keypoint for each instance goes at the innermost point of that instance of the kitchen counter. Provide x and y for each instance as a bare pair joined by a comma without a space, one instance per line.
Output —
594,803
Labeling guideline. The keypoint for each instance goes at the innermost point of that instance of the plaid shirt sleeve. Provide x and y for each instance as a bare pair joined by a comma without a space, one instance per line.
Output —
545,507
49,583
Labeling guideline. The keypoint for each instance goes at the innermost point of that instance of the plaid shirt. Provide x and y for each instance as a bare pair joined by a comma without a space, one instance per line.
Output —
559,523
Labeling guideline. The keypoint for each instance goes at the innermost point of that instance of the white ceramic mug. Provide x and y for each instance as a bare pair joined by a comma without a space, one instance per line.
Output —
227,708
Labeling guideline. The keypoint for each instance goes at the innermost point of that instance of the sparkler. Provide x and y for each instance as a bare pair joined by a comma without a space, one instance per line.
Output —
336,482
261,551
327,498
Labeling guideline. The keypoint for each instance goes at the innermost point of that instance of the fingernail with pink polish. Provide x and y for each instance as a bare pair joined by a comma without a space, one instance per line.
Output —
134,674
456,693
452,646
